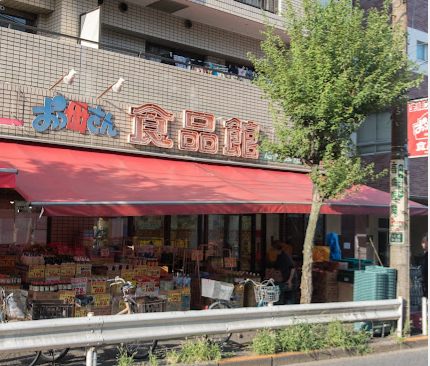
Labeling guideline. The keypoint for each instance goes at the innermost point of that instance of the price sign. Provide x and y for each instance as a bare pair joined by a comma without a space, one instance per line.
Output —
174,296
98,287
37,271
83,269
68,296
101,300
68,269
79,284
52,270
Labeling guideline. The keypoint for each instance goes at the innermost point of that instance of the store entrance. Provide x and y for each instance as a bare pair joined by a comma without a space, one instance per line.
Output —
240,239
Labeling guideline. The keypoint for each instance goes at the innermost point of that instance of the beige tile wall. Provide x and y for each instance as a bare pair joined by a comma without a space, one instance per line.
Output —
30,63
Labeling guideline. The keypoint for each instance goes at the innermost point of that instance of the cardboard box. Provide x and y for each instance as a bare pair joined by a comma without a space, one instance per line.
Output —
82,311
39,295
102,311
345,291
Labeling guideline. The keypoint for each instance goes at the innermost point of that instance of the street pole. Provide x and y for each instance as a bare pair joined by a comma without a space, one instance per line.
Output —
399,187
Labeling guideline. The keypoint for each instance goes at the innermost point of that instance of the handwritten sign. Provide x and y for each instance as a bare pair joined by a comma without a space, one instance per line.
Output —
98,287
36,271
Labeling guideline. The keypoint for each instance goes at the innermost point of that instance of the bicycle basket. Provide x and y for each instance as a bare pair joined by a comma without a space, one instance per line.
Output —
266,293
216,289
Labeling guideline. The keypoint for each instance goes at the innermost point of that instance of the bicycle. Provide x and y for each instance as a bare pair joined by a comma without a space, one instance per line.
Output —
137,349
51,355
266,294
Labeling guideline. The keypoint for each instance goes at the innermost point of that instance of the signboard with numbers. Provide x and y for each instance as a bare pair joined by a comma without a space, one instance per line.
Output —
418,128
399,202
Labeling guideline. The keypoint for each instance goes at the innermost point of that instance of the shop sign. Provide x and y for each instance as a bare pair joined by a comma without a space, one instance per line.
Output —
418,128
398,202
150,127
57,113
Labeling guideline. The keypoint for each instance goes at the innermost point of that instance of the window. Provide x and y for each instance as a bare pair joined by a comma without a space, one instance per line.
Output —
422,51
374,135
268,5
13,19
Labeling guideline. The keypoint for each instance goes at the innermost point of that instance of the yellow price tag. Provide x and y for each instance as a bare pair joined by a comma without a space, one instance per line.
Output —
37,271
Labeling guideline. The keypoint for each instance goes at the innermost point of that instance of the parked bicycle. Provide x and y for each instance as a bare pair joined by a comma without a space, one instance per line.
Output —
266,294
10,311
139,350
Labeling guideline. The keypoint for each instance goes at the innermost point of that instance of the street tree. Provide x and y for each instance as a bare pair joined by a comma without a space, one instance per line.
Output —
340,64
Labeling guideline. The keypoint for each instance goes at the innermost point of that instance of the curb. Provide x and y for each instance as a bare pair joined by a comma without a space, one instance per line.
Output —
280,359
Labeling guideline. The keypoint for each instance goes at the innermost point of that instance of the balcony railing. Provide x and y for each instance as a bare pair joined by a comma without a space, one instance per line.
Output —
190,64
267,5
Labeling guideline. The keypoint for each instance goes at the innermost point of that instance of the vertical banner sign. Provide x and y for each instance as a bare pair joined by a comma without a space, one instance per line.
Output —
398,202
418,128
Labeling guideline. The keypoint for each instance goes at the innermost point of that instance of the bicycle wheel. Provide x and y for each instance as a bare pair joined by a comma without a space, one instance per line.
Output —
35,359
53,354
222,338
140,350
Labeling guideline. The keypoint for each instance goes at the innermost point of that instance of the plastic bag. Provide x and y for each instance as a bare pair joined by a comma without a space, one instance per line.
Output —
14,307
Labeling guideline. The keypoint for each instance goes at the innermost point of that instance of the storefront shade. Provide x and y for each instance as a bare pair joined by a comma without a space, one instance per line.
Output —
69,182
7,175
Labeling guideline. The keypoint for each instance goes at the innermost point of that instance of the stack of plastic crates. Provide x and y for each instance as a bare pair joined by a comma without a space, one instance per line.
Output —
52,309
375,283
416,293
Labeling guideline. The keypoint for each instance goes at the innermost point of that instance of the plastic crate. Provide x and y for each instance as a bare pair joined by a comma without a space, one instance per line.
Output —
151,306
51,309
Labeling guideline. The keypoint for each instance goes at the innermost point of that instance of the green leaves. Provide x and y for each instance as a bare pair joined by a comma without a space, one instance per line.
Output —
341,64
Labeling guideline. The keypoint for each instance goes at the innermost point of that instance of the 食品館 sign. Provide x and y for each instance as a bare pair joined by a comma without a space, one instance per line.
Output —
418,128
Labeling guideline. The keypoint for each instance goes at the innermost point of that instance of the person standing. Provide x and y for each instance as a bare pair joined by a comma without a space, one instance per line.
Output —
284,263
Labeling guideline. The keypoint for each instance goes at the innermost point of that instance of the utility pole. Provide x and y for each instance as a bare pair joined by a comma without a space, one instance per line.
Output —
399,186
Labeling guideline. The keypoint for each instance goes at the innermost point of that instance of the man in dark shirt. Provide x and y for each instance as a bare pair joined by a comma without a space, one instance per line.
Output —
285,265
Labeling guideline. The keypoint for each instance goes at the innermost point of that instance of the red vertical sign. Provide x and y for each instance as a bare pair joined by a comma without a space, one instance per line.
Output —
418,128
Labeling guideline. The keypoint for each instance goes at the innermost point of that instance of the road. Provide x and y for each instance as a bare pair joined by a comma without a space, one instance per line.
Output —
410,357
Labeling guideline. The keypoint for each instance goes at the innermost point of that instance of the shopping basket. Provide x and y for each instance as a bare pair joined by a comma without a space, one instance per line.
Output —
266,292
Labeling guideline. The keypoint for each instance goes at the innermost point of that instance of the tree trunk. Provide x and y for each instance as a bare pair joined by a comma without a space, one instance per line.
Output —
306,282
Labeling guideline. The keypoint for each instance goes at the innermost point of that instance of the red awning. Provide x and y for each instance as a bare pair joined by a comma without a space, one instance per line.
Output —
7,175
69,182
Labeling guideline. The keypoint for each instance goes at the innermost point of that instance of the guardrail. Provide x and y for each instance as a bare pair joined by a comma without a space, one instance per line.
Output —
104,330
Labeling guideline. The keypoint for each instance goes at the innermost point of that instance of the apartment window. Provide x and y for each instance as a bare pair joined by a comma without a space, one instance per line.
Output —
268,5
14,19
374,135
422,51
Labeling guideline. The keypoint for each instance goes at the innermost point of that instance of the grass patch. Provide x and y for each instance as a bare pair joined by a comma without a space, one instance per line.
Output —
194,351
123,359
311,337
264,342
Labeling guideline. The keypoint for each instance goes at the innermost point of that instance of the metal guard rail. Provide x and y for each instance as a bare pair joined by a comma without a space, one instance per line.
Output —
103,330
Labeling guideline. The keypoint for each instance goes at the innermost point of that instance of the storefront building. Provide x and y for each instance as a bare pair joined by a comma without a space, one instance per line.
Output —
148,152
